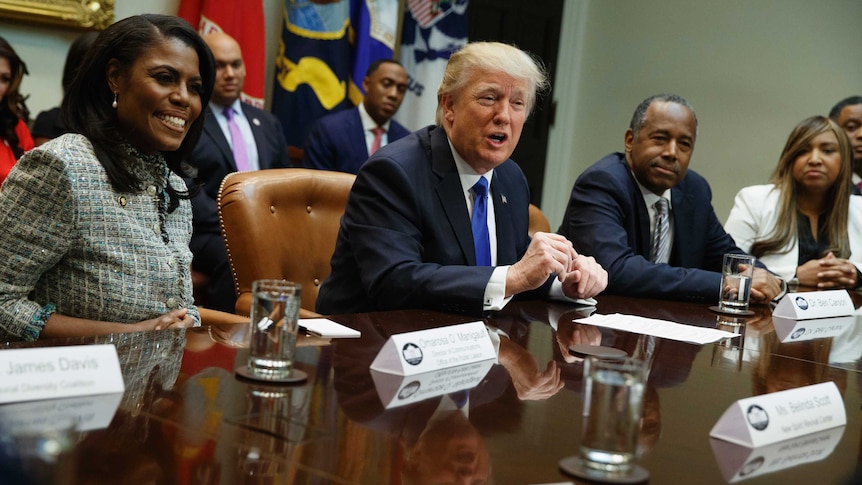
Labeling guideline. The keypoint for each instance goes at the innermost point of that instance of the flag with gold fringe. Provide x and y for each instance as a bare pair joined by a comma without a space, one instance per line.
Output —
323,53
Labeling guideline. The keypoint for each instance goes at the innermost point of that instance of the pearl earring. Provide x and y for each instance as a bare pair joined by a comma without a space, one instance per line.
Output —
114,104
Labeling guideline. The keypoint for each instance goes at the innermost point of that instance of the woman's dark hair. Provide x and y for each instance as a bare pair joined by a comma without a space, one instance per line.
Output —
87,107
75,57
12,107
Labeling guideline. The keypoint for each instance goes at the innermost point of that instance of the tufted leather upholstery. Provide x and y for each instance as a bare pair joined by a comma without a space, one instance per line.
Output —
281,223
538,221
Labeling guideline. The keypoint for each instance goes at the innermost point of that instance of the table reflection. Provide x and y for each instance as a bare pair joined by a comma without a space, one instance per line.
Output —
187,419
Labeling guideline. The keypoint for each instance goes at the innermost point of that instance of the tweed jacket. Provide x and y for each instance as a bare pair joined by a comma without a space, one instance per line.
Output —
70,243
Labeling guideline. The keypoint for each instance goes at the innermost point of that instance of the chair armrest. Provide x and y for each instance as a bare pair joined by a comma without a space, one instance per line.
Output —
216,317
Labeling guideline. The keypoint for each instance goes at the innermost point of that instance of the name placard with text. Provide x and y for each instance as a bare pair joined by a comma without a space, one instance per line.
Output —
429,350
55,372
738,463
799,330
395,390
815,304
778,416
83,413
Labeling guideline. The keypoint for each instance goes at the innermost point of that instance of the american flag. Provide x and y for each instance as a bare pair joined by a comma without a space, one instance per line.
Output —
424,11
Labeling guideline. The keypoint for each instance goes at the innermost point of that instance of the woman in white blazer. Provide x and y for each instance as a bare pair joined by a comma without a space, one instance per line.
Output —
805,226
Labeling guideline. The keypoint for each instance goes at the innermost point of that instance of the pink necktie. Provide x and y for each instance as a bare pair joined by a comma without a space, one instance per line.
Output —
240,157
378,137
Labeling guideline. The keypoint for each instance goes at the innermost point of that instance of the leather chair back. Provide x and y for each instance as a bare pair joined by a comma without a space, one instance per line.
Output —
538,221
281,223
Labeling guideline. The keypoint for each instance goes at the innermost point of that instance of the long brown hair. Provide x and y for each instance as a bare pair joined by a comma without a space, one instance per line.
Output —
837,199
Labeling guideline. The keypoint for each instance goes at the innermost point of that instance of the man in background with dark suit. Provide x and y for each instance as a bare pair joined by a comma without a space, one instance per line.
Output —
438,220
236,137
648,219
343,141
848,114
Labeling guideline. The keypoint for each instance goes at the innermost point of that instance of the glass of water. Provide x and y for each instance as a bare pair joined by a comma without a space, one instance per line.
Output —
736,274
613,407
273,331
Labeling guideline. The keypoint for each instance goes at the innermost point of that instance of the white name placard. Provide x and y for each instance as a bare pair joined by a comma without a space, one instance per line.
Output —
55,372
395,390
815,304
770,418
799,330
84,413
412,353
738,463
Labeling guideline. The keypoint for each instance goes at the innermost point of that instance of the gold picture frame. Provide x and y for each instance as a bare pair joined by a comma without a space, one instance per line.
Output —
81,14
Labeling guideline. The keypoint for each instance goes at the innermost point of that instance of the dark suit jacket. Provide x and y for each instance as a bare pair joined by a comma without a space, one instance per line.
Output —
405,239
337,142
214,160
607,219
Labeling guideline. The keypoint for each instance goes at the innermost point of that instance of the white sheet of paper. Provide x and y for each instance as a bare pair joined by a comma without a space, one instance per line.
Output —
323,327
658,328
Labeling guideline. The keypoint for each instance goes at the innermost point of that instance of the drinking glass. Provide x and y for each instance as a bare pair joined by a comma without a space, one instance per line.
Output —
613,408
736,274
273,331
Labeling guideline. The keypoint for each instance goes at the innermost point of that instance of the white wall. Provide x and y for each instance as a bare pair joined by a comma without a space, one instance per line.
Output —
752,69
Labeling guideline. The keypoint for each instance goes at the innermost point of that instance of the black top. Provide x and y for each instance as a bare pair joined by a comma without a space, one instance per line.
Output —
809,248
48,124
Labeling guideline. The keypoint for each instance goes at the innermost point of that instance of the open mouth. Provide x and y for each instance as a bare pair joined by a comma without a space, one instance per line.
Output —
174,121
497,138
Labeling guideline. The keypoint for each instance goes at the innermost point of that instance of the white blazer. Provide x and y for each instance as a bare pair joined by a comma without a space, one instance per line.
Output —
754,215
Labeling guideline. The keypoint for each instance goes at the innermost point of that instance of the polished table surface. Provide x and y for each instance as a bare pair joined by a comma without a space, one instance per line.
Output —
185,418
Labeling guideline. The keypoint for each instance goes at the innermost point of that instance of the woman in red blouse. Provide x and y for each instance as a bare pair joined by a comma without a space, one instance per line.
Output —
13,112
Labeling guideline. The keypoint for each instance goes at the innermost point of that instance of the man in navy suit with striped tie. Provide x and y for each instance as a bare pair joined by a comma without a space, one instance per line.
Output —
438,220
648,219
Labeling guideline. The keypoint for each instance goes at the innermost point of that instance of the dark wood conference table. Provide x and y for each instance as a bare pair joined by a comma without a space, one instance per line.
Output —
186,419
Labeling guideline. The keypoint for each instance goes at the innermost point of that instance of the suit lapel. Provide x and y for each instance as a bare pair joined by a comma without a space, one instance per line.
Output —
643,241
451,194
356,137
213,130
503,220
263,156
683,217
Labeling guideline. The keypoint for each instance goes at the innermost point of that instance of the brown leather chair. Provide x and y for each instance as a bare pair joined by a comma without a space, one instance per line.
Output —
538,221
281,223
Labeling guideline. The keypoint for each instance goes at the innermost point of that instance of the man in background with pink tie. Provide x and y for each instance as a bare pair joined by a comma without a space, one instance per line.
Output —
343,141
237,137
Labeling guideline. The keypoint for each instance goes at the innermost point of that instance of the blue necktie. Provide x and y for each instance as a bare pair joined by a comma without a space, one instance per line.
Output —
481,239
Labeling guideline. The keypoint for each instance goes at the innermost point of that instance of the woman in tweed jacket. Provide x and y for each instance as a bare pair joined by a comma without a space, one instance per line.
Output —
96,224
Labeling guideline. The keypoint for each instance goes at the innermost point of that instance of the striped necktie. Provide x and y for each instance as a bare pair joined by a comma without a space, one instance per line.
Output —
661,247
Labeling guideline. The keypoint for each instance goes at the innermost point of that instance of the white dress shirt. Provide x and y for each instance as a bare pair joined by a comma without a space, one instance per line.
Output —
650,199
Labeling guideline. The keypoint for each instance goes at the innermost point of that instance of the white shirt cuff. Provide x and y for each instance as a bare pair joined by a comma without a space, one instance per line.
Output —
495,291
